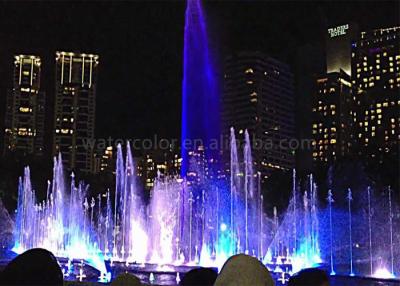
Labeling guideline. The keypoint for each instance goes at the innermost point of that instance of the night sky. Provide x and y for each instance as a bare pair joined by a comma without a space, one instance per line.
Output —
140,46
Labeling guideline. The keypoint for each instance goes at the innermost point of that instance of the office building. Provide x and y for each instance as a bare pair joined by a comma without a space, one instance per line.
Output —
376,75
25,110
74,110
332,124
332,98
258,96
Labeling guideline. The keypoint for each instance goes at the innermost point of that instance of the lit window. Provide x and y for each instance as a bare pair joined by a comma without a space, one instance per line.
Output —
25,109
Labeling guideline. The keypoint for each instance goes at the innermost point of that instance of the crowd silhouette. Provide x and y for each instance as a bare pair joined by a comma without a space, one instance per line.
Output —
40,267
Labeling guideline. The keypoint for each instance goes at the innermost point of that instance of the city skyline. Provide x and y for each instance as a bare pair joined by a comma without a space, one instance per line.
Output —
154,138
121,50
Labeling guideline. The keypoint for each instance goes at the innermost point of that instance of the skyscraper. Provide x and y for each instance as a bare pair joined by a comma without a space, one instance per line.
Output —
332,102
332,117
258,96
75,105
338,47
24,120
376,75
366,120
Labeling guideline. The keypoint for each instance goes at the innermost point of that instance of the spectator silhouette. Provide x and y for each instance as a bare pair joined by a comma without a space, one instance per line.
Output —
309,277
199,277
244,270
126,279
34,267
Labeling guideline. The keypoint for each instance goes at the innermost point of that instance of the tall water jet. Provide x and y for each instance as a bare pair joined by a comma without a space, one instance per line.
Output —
260,217
294,200
349,199
391,230
164,228
248,188
330,202
234,186
370,231
130,238
200,98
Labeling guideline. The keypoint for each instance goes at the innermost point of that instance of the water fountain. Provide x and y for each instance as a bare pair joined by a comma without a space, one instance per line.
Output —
190,223
174,231
370,232
330,202
349,199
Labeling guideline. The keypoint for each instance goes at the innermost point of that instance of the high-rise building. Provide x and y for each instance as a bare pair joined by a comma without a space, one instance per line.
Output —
376,75
258,96
103,160
338,47
332,102
74,112
157,162
332,117
24,120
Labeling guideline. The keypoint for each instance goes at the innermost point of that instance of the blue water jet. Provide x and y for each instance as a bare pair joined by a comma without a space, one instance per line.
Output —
200,97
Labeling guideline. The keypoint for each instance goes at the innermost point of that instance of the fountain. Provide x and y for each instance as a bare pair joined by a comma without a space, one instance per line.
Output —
178,229
370,232
61,223
190,222
330,202
349,199
200,96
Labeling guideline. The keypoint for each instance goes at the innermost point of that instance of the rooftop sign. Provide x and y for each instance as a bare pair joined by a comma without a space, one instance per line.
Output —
338,31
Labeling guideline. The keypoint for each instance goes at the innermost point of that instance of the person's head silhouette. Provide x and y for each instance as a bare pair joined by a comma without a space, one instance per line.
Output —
34,267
